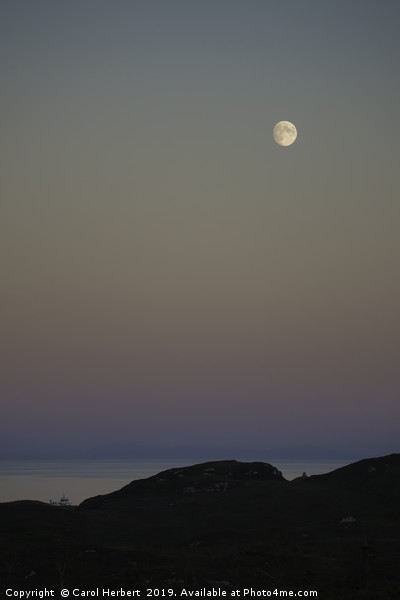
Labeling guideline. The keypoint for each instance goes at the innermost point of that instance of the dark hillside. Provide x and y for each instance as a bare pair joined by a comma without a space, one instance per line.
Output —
218,476
239,523
371,474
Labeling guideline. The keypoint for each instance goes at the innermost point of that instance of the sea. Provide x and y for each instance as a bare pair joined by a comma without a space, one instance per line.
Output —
47,480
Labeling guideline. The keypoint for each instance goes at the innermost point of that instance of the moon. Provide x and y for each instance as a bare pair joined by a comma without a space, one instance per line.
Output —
285,133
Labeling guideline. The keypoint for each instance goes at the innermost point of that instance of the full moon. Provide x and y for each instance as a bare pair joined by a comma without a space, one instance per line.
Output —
285,133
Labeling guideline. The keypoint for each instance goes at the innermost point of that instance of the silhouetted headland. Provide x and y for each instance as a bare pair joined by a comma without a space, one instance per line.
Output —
226,523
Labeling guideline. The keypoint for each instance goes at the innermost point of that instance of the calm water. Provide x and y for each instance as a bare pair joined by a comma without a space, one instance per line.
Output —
79,479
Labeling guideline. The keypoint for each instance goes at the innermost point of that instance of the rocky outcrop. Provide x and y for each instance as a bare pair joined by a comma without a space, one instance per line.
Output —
210,477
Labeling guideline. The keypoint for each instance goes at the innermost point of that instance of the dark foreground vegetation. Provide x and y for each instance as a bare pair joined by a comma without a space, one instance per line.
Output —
220,524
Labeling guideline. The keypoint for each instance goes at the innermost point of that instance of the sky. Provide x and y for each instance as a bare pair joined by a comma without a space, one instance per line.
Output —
172,279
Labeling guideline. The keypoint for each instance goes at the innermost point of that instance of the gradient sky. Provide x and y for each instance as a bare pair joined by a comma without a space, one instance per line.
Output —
170,275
